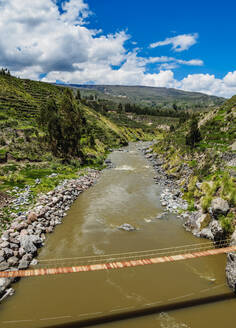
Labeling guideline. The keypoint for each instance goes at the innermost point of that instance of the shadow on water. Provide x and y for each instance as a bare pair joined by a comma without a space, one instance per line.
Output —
145,311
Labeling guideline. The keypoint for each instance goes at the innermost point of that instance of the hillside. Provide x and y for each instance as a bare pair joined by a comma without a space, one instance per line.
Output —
20,104
200,156
150,96
45,130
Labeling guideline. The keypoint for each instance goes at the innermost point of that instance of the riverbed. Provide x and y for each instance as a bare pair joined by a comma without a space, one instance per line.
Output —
126,193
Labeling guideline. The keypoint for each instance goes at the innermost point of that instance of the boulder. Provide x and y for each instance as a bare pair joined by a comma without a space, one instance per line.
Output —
13,261
219,206
31,217
217,230
20,226
4,284
206,233
5,236
27,257
231,270
29,243
14,247
34,262
4,266
2,259
127,227
8,252
23,264
5,244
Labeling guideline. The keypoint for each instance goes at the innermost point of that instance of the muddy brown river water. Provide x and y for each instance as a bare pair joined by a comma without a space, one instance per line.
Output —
124,194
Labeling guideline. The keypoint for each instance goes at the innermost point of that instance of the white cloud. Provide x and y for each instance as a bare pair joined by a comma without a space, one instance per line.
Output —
35,34
192,62
37,39
209,84
75,11
230,79
179,43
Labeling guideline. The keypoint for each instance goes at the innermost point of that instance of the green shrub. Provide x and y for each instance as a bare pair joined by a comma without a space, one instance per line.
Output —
227,223
2,141
206,202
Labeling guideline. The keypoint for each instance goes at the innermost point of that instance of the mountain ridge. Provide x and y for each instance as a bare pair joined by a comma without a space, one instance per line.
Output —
146,95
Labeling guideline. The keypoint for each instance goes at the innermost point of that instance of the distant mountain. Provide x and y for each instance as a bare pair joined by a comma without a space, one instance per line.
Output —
149,96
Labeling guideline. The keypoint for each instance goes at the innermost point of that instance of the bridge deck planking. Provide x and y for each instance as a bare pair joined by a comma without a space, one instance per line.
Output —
113,265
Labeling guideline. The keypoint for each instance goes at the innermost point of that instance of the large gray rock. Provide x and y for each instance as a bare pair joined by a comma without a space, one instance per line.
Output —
23,264
219,206
2,259
231,270
30,243
217,230
13,261
4,266
127,227
206,233
4,283
8,252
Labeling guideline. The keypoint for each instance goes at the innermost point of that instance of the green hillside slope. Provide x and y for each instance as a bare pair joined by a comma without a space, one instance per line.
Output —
150,96
200,155
76,135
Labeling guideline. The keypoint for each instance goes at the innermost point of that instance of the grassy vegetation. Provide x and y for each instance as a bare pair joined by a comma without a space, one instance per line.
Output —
209,175
37,140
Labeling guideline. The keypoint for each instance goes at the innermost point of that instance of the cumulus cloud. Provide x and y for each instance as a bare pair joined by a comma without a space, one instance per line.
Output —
209,84
230,79
75,11
37,38
179,43
36,34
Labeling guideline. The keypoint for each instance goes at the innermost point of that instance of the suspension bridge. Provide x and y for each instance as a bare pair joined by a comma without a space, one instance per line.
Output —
121,260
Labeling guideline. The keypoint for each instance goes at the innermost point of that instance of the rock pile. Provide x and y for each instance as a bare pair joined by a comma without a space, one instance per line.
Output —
20,242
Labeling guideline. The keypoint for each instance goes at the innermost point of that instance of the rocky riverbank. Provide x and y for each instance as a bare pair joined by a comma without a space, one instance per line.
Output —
199,223
27,232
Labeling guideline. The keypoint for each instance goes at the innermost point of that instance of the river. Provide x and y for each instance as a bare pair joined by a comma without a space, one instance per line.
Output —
124,194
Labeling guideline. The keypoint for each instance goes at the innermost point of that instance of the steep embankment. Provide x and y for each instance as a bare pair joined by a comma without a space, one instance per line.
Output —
200,158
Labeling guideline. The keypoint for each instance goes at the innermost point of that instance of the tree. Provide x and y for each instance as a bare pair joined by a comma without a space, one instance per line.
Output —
194,134
46,113
175,107
71,124
78,95
120,108
63,125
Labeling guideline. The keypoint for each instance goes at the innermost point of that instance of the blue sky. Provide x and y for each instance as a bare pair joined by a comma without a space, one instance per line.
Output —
152,20
180,44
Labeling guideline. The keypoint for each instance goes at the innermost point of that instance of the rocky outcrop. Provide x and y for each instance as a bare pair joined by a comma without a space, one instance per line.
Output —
219,206
217,231
26,234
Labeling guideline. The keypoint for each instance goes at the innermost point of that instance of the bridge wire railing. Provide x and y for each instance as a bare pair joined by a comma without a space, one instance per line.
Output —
128,256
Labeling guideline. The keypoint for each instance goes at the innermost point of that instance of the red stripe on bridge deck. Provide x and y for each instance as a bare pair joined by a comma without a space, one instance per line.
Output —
114,265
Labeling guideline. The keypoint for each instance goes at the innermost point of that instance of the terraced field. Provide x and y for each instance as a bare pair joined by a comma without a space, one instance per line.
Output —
24,97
